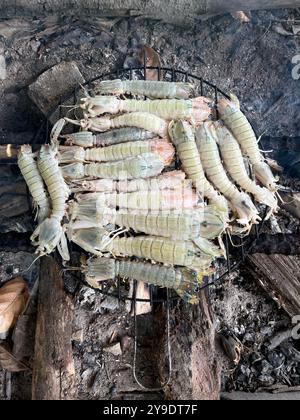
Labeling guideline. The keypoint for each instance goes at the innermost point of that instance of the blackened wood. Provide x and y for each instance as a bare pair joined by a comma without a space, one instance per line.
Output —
196,371
279,275
53,367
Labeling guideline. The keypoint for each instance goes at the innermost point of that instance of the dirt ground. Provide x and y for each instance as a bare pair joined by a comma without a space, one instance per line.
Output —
252,60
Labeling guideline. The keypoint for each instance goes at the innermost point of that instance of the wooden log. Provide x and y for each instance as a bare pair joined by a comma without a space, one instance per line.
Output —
279,276
182,12
196,371
53,366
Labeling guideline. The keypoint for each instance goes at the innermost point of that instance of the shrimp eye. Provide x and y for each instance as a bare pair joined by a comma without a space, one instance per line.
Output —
205,224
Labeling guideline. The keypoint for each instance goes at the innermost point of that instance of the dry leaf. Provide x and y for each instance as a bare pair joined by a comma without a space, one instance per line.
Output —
13,298
9,362
152,60
243,17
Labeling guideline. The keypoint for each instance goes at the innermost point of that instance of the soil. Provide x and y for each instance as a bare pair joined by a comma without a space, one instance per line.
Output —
253,61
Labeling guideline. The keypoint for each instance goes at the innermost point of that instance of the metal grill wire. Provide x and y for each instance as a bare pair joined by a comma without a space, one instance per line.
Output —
205,87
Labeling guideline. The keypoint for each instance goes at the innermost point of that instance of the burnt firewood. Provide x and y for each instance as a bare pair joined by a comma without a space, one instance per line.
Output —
53,366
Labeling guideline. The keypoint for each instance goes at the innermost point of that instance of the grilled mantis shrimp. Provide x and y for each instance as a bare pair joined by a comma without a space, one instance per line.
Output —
163,148
197,226
184,281
143,166
164,200
196,110
183,137
234,162
50,232
169,180
162,250
110,138
141,120
34,181
211,160
238,124
151,89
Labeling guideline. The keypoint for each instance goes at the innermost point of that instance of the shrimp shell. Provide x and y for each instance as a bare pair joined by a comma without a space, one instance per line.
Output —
167,181
141,120
143,166
234,162
184,281
34,181
242,130
211,160
162,250
89,205
49,234
163,148
110,138
196,110
183,137
151,89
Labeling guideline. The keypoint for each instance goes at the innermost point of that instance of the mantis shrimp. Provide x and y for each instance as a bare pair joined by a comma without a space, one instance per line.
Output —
163,148
211,160
34,181
141,120
162,250
151,89
164,200
197,226
183,137
110,138
184,281
50,232
143,166
234,162
196,110
168,180
238,124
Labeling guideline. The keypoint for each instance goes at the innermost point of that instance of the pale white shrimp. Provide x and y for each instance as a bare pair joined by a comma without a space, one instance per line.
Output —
196,110
242,130
151,89
240,202
234,163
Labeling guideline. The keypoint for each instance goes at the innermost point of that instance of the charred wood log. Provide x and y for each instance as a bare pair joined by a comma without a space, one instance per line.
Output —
279,276
53,366
196,372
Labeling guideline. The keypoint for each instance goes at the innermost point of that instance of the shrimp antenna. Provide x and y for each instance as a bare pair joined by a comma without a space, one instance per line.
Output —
33,262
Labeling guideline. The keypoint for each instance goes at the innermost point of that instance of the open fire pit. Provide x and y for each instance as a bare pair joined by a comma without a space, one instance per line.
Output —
123,342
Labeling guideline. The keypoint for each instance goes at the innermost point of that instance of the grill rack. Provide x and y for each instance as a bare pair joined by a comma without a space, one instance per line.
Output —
205,88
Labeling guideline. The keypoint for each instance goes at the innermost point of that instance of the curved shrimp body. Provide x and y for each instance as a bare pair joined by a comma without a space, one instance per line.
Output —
183,137
110,138
143,166
184,281
141,120
234,162
242,130
51,174
162,250
163,148
196,110
50,233
34,181
211,160
151,89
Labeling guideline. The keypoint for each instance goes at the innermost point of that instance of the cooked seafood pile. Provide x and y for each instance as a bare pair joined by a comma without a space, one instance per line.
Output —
112,189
